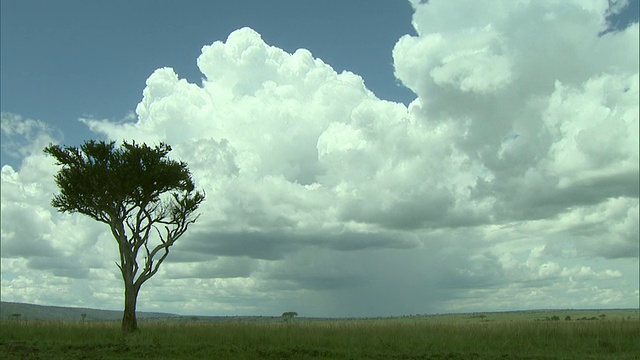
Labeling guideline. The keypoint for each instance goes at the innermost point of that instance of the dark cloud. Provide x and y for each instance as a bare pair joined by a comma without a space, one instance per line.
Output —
256,245
277,245
213,268
61,266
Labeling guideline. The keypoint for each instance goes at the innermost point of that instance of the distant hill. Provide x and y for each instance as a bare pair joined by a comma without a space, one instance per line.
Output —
40,312
59,313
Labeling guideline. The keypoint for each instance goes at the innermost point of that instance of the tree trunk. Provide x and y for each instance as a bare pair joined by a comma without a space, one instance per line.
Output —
129,321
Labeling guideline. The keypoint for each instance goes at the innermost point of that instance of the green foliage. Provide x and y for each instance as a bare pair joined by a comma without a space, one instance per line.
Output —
107,183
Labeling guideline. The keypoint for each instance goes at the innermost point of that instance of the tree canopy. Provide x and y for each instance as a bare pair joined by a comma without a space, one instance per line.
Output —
137,191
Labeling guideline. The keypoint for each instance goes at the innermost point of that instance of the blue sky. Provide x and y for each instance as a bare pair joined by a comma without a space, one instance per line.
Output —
68,59
360,158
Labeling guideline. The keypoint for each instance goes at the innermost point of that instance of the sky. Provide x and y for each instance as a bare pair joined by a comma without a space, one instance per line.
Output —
360,158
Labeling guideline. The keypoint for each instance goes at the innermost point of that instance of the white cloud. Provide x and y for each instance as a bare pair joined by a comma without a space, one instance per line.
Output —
515,167
21,136
594,130
479,65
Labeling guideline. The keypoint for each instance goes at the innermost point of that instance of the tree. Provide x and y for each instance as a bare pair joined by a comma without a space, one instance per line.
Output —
289,315
147,200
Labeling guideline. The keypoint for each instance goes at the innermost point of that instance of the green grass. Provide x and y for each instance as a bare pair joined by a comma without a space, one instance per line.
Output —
400,338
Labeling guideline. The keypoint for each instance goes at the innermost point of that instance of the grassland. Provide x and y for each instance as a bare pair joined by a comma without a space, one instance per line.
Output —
525,335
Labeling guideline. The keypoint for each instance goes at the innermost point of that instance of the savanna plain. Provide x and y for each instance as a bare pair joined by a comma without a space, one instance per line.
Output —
552,334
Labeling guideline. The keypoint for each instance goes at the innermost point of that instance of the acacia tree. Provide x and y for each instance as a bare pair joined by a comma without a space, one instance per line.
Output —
147,200
286,316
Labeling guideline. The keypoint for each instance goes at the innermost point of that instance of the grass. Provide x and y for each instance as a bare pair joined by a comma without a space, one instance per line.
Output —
398,338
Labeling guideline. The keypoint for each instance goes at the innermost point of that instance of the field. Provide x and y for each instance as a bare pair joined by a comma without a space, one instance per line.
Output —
612,334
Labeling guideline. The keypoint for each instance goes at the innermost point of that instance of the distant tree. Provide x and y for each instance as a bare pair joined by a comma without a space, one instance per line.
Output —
147,200
289,315
567,318
83,316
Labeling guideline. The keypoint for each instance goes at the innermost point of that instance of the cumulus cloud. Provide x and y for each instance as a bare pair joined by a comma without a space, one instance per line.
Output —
294,135
540,134
515,166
